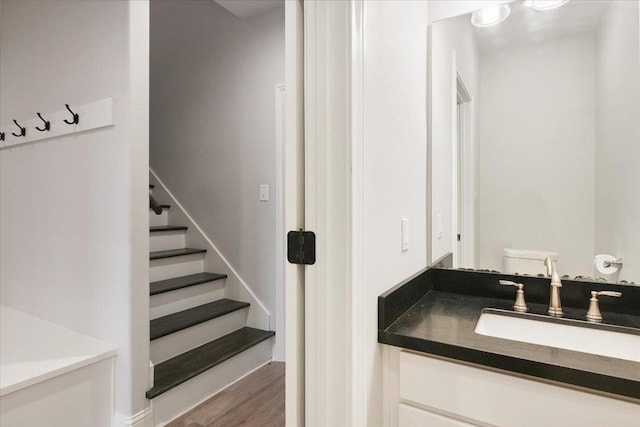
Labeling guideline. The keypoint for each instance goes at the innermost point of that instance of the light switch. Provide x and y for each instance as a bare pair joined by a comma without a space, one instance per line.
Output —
264,192
405,233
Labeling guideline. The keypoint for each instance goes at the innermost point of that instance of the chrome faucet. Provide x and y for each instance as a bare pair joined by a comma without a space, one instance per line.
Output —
519,305
555,308
594,315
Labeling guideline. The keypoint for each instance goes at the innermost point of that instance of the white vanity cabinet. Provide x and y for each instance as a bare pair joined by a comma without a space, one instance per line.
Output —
421,390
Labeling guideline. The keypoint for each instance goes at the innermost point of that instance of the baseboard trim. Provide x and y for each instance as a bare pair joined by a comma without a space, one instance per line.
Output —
143,418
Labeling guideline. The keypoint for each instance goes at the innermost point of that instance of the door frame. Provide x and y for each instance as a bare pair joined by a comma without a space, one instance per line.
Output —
327,212
324,362
294,211
280,338
464,175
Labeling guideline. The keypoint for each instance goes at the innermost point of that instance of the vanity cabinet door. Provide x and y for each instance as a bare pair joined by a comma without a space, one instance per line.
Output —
409,416
484,397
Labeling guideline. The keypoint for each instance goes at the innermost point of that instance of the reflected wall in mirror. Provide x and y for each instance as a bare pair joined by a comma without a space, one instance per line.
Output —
535,140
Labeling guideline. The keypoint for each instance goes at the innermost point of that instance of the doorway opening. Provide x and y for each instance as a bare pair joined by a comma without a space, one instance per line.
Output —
217,144
464,177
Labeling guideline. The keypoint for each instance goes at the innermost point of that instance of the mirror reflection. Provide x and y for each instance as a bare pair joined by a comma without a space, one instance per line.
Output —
535,122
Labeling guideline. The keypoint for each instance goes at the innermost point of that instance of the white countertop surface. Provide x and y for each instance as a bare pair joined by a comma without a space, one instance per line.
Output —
33,350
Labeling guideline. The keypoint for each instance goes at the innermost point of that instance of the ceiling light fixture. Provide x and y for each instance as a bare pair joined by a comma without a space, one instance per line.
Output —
490,15
542,5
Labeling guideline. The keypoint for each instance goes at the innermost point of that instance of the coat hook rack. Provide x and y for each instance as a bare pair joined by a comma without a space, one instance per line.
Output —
76,117
47,124
23,131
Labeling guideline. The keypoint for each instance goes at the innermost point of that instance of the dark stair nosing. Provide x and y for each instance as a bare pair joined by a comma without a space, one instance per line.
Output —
164,207
158,228
175,252
177,370
176,283
175,322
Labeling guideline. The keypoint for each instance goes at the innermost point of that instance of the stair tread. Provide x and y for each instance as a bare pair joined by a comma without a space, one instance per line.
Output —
157,228
175,252
185,366
176,283
175,322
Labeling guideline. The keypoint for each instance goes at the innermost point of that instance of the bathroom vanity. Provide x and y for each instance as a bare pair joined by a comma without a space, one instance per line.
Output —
439,371
530,173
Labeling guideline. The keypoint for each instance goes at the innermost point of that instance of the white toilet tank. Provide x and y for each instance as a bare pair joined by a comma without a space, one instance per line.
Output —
527,261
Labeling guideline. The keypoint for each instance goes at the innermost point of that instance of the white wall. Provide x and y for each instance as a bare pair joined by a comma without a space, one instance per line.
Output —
394,165
536,174
74,246
617,151
453,50
213,79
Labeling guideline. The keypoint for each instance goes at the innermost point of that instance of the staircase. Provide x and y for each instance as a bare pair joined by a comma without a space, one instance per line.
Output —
202,337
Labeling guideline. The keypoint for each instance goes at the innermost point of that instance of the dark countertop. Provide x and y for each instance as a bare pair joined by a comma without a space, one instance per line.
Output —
437,310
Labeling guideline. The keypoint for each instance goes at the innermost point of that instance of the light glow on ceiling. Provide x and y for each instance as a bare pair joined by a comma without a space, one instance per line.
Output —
542,5
490,15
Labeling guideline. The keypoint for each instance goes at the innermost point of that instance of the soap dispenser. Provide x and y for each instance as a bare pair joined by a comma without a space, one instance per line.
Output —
555,308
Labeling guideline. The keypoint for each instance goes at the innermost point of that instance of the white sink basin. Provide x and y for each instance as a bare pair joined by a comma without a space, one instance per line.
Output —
585,339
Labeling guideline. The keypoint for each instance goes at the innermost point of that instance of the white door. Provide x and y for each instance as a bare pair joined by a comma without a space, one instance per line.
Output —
294,210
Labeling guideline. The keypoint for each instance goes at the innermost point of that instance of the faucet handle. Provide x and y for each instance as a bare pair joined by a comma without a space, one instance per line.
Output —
606,293
594,315
510,283
519,305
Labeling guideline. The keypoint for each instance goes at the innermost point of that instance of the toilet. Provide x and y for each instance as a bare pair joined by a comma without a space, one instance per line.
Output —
527,261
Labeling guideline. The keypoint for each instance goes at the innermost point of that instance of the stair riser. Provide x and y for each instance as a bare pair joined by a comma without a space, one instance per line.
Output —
162,241
185,298
184,397
179,342
167,268
162,219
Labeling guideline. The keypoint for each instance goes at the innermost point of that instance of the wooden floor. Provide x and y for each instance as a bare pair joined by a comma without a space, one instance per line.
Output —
255,401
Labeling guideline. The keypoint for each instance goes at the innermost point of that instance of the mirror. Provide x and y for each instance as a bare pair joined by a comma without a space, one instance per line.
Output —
535,139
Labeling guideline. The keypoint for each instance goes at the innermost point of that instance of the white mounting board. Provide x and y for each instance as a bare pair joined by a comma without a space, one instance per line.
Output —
95,115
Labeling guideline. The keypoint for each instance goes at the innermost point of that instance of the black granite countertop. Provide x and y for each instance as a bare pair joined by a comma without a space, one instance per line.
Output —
437,310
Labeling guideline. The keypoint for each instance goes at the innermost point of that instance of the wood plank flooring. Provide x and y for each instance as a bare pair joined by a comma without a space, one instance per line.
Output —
255,401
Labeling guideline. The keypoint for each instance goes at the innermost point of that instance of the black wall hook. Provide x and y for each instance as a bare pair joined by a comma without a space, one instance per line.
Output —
76,117
1,136
47,124
23,131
